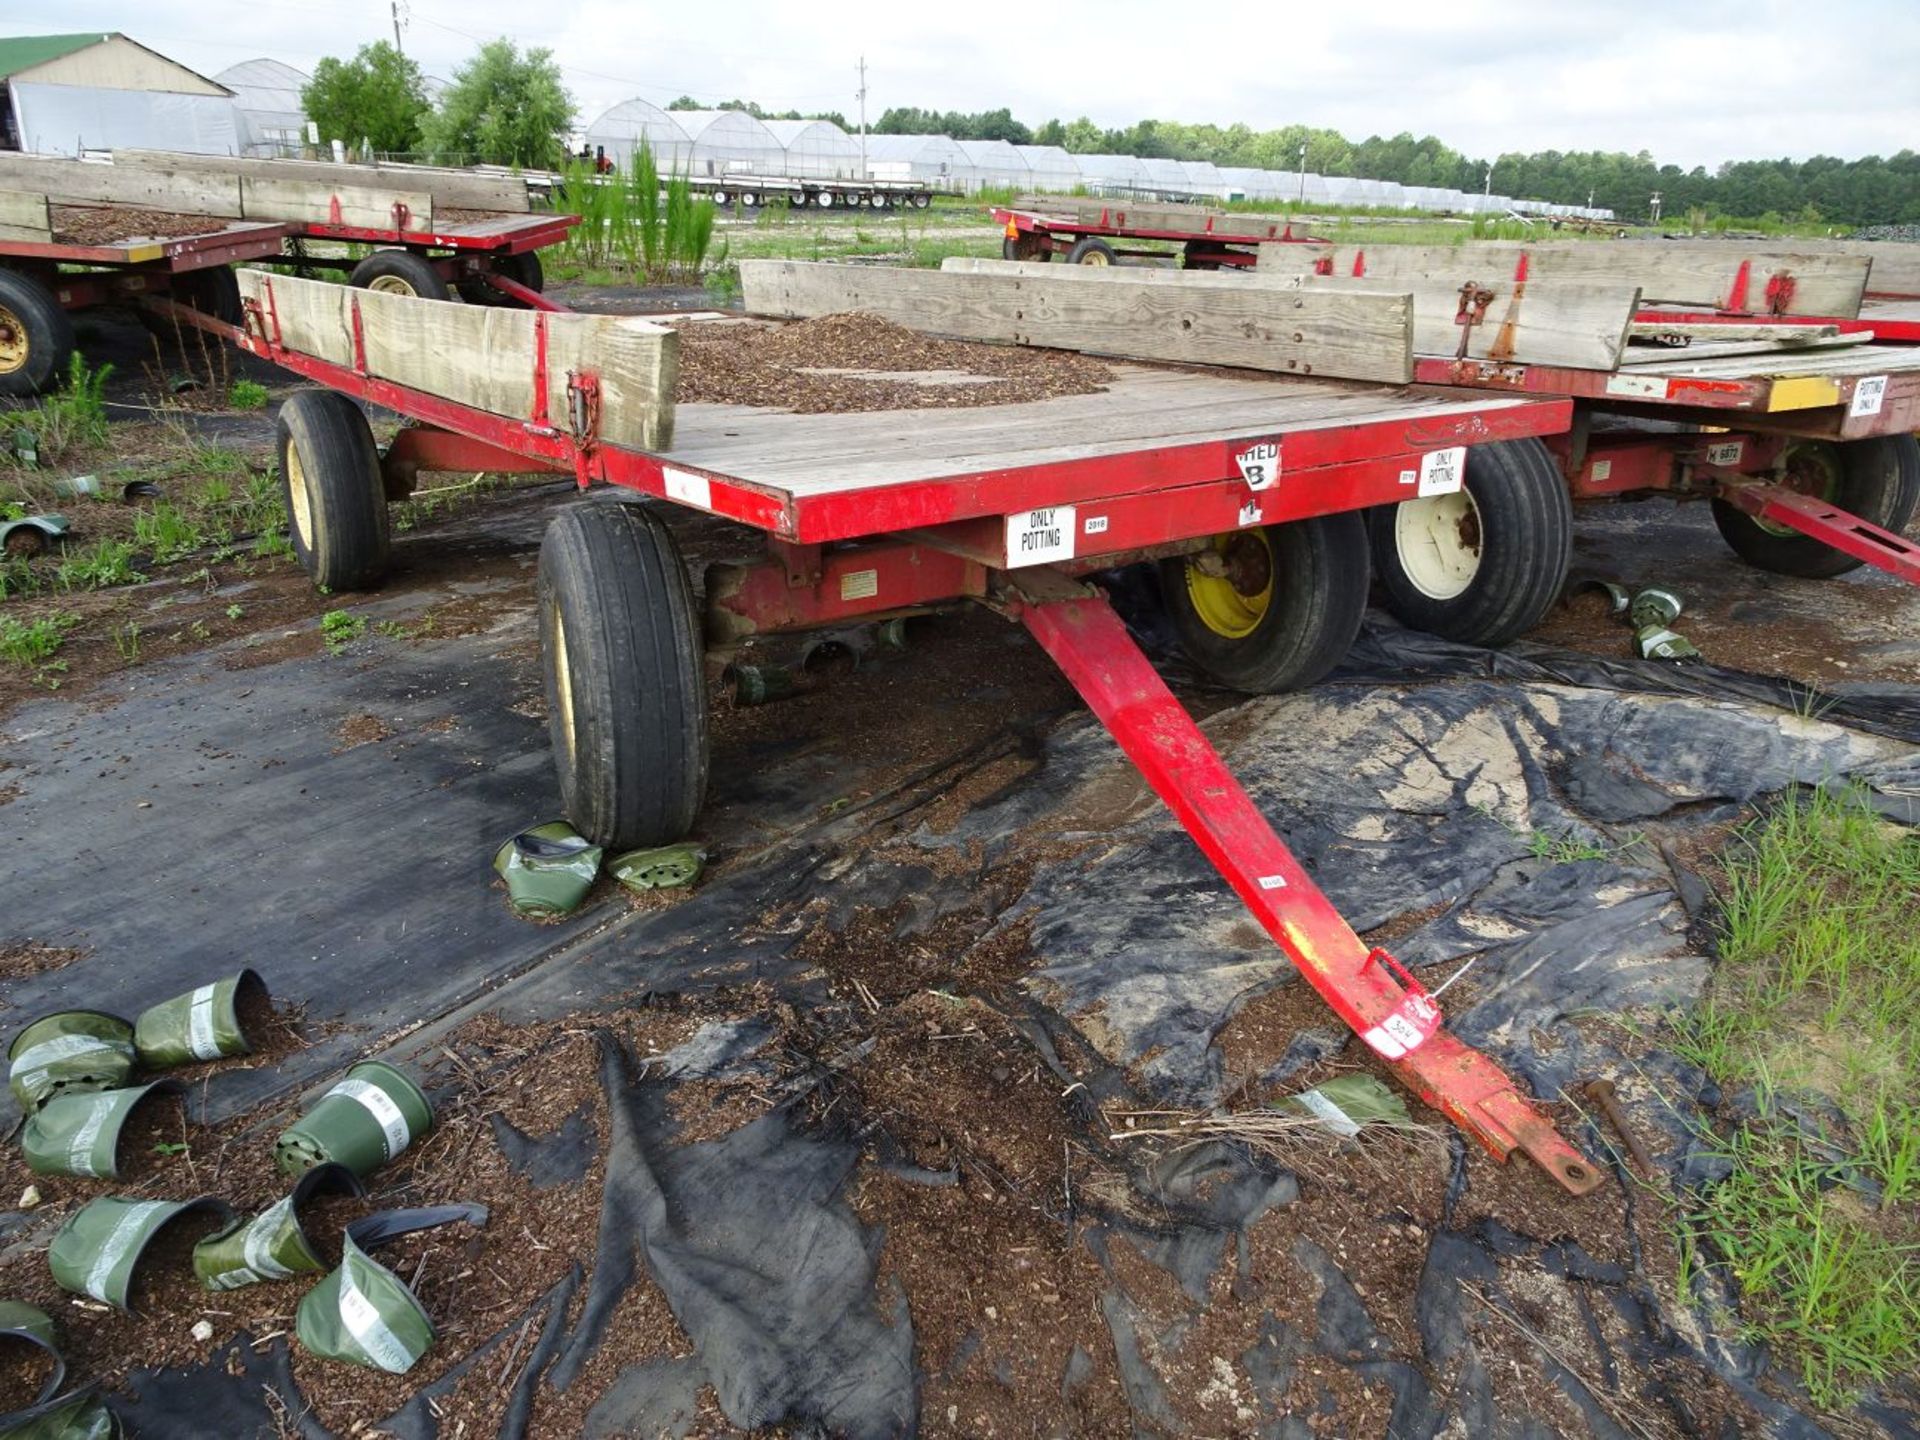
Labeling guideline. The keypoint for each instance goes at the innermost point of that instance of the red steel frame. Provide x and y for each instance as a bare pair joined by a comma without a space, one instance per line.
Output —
123,271
1112,224
1174,494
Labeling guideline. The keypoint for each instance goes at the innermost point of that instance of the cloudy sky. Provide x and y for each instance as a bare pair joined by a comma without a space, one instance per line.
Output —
1697,83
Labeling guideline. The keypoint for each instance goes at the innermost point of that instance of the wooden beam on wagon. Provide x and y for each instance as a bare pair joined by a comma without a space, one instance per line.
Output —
460,189
306,202
88,182
1353,334
25,216
483,355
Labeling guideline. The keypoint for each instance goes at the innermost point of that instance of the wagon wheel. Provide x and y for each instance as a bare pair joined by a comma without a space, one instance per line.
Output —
523,269
1877,479
1027,246
36,337
625,676
1090,250
400,272
749,199
1271,608
330,482
1481,565
721,198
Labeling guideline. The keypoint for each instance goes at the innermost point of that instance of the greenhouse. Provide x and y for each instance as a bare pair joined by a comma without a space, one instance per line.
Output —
730,142
621,130
1114,175
267,94
1166,178
818,150
1053,169
1204,178
930,159
997,164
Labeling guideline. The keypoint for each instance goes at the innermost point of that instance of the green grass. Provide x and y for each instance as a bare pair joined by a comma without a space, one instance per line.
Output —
167,531
339,628
69,420
247,395
104,563
1814,997
33,642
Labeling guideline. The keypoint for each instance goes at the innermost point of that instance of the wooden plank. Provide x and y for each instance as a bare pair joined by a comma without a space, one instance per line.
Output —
24,216
1354,335
88,182
1195,220
483,355
1735,330
305,203
1544,323
461,189
1683,272
1851,360
1661,354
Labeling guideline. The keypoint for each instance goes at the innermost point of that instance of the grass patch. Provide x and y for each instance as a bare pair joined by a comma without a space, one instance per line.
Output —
97,566
340,628
65,422
33,642
1812,1004
247,395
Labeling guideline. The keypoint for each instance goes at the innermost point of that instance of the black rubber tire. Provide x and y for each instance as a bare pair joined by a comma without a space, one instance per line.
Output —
523,269
1091,245
43,325
1879,482
630,732
1319,595
416,272
921,202
1526,538
213,291
341,534
1026,246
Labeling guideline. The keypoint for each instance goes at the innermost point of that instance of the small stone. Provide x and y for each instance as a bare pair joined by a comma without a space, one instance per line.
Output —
143,805
203,1331
30,1197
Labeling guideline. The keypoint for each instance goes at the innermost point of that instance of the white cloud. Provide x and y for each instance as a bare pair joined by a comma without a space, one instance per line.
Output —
1716,80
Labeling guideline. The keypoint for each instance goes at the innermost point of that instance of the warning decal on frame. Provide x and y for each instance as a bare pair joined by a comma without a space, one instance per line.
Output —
688,489
1442,472
1259,464
1406,1029
1038,537
1869,394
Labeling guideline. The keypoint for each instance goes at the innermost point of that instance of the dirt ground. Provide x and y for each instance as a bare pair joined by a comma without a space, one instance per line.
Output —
1032,1213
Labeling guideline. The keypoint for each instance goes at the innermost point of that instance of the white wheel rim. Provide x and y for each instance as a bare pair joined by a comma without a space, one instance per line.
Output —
300,499
1440,543
392,285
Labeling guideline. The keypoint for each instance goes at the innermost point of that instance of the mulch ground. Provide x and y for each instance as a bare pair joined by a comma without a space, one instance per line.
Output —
115,224
785,367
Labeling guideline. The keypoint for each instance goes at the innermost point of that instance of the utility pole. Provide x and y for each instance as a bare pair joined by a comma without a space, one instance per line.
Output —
1303,172
1656,207
865,173
1487,187
395,5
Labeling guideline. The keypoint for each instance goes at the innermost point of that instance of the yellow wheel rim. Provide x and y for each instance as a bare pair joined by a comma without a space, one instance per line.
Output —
1095,257
1231,585
299,500
392,285
563,680
13,342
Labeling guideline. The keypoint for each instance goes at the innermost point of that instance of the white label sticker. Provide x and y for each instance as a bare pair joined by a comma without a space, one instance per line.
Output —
1096,525
1443,472
1869,394
859,584
1250,514
393,1124
257,1247
1259,464
30,1065
200,1037
114,1248
1406,1029
80,1148
1273,882
371,1333
1727,452
1036,537
687,488
1647,386
1602,469
1409,477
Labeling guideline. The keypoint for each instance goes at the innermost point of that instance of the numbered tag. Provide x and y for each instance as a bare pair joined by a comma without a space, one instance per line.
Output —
1443,472
1406,1029
1250,514
1038,537
1727,452
1869,394
1259,464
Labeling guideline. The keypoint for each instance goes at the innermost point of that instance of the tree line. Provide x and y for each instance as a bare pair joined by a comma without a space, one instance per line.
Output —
1867,191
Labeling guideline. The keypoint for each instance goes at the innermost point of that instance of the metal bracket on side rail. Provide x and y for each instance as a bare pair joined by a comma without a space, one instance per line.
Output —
1846,533
1366,987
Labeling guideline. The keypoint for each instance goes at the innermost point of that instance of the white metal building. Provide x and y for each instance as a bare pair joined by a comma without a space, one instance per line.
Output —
817,149
268,94
1054,170
69,93
1114,174
997,164
930,159
621,129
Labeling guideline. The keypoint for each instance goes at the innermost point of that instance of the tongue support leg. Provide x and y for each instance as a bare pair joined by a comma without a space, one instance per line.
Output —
1367,988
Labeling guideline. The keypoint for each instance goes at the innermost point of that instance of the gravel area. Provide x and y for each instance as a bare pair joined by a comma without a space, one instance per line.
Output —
793,367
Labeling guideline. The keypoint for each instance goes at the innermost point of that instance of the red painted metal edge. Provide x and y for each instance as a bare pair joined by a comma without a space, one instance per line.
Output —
1365,987
1846,533
513,289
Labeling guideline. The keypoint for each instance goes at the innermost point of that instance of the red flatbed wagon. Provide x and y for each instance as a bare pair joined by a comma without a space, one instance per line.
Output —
1082,232
1249,492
